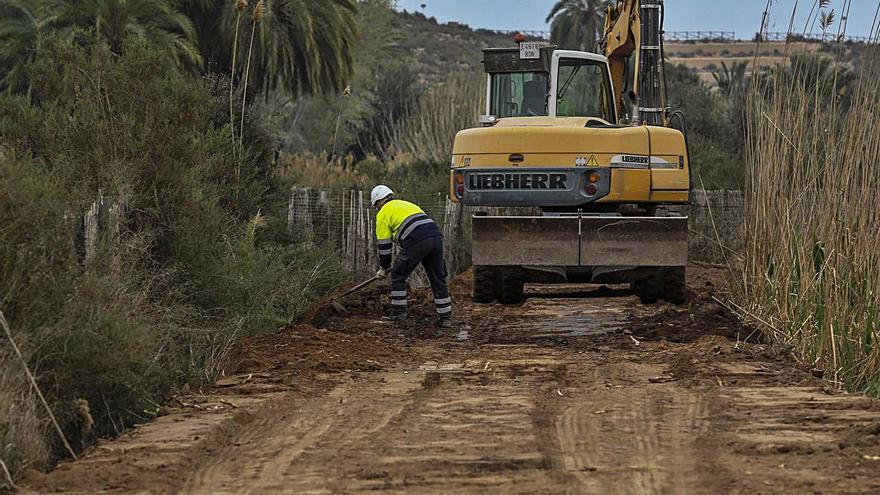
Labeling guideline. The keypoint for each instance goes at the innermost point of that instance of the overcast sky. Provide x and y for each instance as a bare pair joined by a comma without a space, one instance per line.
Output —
742,16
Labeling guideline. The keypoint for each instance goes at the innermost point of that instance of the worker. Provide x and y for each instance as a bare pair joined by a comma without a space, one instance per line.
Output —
420,241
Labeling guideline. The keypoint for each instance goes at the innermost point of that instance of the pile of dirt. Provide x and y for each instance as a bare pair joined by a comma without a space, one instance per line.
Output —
304,349
705,279
367,302
703,317
462,286
372,302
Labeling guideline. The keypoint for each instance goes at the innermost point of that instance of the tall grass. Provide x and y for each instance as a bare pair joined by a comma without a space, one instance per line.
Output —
22,427
428,131
812,262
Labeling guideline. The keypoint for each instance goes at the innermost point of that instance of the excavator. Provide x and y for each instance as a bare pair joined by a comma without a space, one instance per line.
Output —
587,162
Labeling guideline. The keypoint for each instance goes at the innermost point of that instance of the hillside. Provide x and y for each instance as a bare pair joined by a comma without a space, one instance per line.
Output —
440,48
705,58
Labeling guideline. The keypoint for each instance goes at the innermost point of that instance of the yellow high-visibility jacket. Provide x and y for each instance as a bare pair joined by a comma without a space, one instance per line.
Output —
402,222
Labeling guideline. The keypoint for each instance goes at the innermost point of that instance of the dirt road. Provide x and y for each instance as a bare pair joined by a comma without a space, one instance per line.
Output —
573,392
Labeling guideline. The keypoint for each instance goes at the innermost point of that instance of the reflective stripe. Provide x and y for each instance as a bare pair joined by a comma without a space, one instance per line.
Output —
403,228
413,227
402,302
384,252
398,293
443,311
448,300
384,242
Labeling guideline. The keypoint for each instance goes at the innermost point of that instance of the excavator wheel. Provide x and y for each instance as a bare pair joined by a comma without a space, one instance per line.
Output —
648,289
674,285
484,284
512,288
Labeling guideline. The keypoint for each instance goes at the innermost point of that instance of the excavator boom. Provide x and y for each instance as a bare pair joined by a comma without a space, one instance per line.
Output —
635,28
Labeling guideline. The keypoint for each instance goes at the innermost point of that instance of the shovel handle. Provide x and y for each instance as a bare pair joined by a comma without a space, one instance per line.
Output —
358,287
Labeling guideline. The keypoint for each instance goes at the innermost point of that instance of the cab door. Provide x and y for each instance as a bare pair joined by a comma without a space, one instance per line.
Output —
581,86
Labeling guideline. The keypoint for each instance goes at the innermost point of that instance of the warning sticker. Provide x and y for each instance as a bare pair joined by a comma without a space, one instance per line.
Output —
593,162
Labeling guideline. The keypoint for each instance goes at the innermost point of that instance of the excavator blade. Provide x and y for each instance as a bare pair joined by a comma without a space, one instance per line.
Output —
580,241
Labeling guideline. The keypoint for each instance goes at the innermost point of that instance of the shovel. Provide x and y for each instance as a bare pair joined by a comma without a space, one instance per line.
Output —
339,307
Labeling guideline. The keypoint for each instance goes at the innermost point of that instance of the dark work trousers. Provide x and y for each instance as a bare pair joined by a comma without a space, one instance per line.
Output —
429,253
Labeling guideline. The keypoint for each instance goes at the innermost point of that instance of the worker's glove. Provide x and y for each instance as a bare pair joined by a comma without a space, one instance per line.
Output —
382,273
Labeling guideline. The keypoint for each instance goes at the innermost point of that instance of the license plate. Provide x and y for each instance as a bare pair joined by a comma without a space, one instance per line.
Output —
530,50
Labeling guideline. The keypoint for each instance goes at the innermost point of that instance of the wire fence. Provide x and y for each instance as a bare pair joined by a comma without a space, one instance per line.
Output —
344,222
726,36
817,37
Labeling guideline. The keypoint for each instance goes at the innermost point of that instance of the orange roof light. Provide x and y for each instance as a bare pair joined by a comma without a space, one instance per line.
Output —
519,38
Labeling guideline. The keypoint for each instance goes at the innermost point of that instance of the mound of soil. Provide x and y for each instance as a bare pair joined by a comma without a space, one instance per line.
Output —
704,279
703,316
304,349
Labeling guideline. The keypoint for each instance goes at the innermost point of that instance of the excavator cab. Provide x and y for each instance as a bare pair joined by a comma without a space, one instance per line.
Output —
557,83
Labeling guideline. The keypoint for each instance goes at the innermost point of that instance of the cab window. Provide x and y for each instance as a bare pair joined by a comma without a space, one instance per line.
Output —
519,94
584,90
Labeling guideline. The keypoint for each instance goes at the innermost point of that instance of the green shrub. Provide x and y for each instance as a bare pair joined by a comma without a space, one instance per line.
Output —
200,255
715,130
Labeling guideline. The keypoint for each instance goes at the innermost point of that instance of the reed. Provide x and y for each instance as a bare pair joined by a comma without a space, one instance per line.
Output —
428,131
256,16
812,211
239,7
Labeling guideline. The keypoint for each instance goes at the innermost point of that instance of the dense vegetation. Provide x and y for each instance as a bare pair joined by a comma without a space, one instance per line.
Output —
142,103
811,265
202,255
195,117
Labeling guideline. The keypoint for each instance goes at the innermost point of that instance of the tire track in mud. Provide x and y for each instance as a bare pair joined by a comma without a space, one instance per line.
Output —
265,458
542,400
631,441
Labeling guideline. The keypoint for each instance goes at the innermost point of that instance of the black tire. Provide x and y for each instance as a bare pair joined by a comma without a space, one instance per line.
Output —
484,284
648,289
674,284
512,288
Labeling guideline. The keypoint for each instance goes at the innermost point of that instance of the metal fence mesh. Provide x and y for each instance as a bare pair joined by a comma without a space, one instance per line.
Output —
344,222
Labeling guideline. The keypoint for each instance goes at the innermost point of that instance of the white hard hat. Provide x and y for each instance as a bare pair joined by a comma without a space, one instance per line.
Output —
379,193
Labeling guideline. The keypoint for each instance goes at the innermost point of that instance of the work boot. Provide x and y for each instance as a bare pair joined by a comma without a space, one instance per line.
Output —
444,322
396,316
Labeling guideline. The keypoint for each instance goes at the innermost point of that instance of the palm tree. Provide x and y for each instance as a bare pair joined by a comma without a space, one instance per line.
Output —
157,21
22,23
731,79
577,24
302,46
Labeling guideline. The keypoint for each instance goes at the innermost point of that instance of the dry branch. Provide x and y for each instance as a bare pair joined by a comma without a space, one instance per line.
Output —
34,385
8,475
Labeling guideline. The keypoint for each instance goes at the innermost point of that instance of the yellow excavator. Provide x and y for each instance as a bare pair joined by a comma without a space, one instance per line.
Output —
584,148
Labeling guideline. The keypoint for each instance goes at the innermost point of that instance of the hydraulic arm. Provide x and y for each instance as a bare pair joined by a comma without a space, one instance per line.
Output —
635,28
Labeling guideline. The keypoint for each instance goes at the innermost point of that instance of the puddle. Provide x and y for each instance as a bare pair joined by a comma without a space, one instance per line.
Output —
571,317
